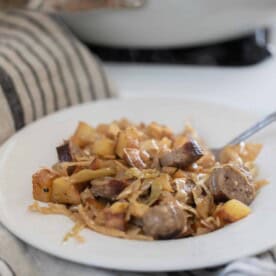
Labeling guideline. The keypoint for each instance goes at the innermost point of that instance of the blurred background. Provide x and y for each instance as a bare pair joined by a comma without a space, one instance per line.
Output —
201,48
201,32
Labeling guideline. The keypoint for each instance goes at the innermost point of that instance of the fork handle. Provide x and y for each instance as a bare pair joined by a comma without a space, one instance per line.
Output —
253,129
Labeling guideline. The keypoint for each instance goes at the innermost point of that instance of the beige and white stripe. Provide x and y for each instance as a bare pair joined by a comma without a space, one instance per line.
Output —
43,68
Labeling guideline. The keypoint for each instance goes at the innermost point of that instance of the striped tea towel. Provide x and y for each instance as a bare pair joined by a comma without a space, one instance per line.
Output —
44,68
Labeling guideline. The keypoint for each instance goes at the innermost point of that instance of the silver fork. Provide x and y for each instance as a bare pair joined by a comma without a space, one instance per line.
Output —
247,133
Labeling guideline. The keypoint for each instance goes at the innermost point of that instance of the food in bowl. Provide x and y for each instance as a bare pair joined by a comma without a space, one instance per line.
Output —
143,181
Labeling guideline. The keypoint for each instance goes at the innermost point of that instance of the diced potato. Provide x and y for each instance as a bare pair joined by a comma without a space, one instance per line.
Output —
137,209
180,141
42,185
102,128
207,160
128,138
84,135
165,144
119,207
158,131
103,147
123,123
189,131
113,130
233,210
65,192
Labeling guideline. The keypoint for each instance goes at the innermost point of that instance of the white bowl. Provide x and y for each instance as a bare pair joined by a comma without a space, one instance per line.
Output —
34,146
163,23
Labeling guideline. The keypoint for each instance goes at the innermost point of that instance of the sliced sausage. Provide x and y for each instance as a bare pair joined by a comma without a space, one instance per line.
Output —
107,188
116,221
182,157
164,221
64,153
231,182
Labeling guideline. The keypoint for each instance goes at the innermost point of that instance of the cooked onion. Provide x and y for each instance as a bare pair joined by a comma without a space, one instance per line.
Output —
118,175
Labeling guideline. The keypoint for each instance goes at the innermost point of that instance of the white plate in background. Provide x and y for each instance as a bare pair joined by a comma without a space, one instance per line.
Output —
178,23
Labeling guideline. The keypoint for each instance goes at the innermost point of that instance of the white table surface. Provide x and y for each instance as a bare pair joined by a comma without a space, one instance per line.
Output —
252,88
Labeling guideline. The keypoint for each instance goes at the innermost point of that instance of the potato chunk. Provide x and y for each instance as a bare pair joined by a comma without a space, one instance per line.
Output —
84,135
137,209
113,130
233,210
118,207
103,147
64,191
42,185
128,138
157,131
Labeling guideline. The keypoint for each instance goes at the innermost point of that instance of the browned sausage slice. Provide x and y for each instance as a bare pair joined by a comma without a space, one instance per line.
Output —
164,221
183,156
231,182
107,188
64,153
